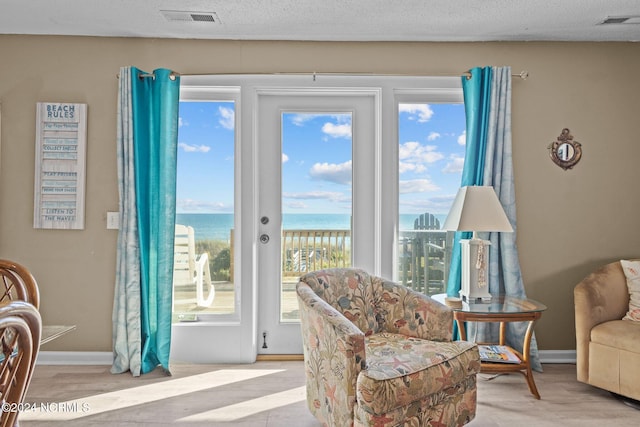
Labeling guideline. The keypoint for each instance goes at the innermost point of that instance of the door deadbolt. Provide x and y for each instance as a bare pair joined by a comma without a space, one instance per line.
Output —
264,220
264,238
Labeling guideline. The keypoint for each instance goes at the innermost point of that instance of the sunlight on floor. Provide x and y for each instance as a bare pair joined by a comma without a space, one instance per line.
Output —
250,407
112,401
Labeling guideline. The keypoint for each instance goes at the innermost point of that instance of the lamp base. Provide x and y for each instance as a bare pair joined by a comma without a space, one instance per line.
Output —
482,300
475,266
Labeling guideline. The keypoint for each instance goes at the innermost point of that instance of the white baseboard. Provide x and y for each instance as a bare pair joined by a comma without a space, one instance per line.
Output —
106,357
557,356
75,358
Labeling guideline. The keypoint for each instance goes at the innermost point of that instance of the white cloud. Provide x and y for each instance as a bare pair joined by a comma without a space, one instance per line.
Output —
433,136
462,139
301,118
285,158
194,148
411,167
182,122
227,118
439,204
454,165
332,172
414,151
337,130
340,129
422,111
417,186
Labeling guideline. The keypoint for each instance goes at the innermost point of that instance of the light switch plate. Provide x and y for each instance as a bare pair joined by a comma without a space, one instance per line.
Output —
113,220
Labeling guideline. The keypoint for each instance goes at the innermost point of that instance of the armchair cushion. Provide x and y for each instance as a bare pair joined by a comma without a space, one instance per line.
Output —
618,334
403,369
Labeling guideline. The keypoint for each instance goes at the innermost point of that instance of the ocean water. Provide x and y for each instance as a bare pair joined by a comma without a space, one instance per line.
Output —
217,226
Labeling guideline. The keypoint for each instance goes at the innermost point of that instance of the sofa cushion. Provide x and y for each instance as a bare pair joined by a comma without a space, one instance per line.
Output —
618,334
632,272
403,369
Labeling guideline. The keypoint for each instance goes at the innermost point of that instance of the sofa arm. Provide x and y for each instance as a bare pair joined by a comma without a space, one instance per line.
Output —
334,355
411,313
600,297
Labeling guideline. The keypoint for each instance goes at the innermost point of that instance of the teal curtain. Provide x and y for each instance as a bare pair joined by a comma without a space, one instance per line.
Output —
147,150
477,93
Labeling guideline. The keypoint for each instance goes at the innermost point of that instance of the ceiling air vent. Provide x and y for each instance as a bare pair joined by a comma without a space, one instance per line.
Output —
190,16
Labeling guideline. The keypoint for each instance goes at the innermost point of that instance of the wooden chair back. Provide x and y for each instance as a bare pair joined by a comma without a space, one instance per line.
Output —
426,221
20,330
17,283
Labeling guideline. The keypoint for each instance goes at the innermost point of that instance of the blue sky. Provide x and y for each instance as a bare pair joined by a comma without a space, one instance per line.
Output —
317,161
431,155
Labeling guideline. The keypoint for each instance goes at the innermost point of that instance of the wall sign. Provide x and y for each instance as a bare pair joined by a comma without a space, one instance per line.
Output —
61,139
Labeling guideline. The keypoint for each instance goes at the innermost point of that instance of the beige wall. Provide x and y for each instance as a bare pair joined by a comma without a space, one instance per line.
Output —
569,222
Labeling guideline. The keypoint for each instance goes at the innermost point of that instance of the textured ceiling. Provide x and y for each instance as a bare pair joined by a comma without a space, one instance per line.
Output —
349,20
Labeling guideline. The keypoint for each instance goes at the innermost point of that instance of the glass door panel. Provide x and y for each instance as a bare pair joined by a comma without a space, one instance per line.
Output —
316,198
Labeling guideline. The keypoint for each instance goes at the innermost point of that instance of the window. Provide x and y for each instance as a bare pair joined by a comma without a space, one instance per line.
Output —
431,144
204,249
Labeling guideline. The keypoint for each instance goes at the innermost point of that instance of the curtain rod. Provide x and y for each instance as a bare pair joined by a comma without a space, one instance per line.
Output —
172,75
522,74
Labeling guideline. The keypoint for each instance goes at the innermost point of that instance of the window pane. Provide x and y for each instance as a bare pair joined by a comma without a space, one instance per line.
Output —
205,205
431,148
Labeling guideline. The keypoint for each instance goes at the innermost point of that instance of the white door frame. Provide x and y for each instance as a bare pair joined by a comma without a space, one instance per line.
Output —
364,104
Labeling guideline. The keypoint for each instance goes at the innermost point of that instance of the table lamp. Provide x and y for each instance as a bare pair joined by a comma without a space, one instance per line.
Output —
476,208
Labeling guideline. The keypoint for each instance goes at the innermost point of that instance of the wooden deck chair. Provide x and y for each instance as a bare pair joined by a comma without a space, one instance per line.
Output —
429,255
189,270
308,259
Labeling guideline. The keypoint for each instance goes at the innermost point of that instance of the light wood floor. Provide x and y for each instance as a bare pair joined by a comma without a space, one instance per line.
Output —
272,394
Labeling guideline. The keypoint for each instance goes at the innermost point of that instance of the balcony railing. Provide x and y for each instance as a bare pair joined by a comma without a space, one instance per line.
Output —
422,263
423,255
309,250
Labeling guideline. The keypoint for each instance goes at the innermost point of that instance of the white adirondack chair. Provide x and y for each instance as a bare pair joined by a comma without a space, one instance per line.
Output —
189,270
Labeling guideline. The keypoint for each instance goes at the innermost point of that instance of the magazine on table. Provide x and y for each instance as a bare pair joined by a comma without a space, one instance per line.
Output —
497,354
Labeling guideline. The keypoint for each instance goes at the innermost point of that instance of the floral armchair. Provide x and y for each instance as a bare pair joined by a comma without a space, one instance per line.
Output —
379,354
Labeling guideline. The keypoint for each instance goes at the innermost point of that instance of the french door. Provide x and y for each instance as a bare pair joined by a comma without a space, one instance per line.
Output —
316,206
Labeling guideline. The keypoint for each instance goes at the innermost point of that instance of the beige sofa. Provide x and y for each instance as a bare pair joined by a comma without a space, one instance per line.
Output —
607,348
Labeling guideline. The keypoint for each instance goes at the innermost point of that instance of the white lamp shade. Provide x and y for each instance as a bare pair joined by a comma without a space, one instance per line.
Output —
477,208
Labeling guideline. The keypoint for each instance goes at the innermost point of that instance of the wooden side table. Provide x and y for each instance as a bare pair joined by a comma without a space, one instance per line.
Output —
503,309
